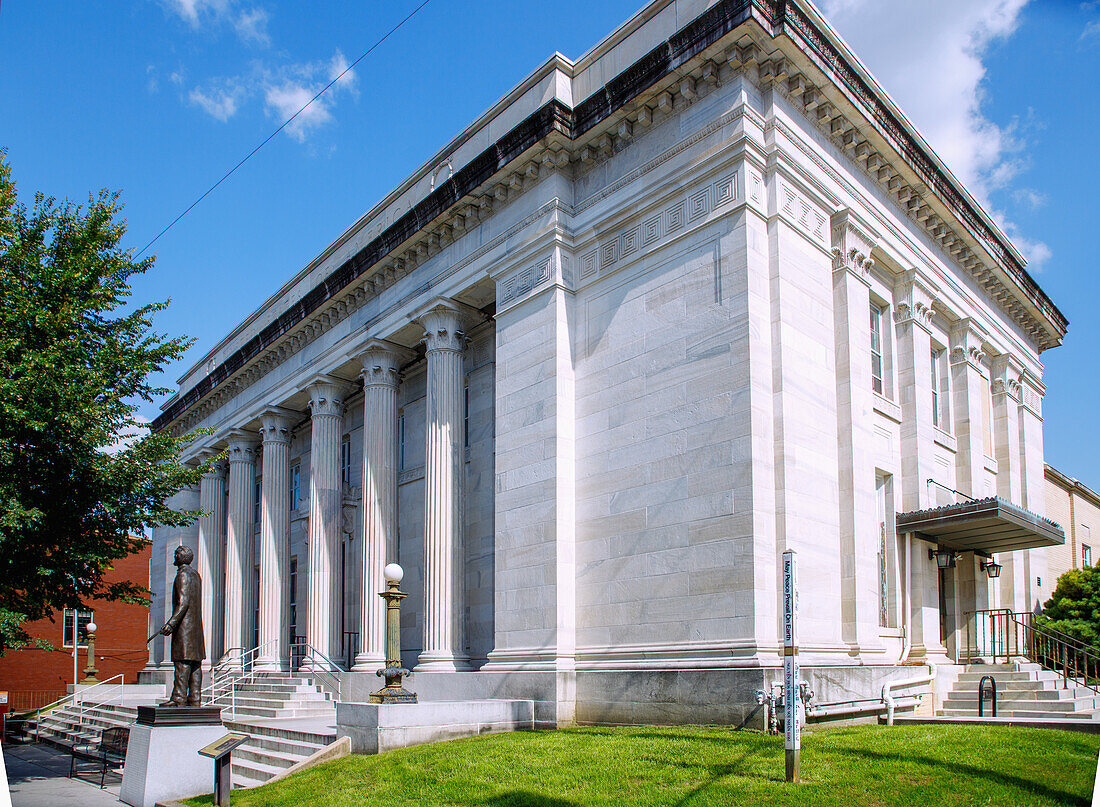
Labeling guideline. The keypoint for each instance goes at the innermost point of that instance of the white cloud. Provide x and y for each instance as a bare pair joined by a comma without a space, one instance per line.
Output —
251,27
220,103
1030,198
929,56
193,10
250,24
294,86
152,81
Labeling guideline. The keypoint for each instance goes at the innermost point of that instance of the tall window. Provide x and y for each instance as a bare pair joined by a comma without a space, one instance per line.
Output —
401,441
987,418
876,349
1086,555
293,599
256,506
466,415
345,461
937,393
295,485
78,621
256,607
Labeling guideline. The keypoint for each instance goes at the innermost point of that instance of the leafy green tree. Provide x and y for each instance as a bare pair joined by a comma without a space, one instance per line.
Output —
1074,606
75,364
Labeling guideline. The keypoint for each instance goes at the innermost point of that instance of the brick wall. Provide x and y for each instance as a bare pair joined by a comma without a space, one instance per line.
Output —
34,677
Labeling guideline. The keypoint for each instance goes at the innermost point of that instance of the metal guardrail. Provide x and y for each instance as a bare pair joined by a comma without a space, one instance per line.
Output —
1000,633
324,671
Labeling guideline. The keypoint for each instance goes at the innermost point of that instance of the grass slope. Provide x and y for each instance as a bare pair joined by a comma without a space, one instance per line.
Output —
697,766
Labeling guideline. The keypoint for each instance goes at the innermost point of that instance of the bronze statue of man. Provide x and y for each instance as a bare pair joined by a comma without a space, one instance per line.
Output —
185,628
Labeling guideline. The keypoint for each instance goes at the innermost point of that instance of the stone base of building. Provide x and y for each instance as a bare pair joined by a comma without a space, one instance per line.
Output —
377,727
725,697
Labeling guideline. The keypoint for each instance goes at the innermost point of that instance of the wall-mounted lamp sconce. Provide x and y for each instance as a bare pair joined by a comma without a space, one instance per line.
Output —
992,568
945,558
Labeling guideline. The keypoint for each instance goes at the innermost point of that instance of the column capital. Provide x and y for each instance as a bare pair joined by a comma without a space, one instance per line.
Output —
382,362
852,243
967,338
913,301
218,469
445,322
326,395
1006,376
275,424
242,446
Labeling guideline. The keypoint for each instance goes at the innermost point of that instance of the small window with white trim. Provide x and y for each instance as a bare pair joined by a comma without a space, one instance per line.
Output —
78,621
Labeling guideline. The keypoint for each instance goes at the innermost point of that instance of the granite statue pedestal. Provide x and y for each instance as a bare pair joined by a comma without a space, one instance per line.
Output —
162,759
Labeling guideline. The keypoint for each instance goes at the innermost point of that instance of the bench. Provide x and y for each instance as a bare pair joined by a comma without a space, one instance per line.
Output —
110,751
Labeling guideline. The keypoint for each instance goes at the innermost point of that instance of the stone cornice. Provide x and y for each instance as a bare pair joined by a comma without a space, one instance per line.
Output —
559,138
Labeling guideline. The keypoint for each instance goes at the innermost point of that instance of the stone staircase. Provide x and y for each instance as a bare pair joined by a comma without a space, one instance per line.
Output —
287,718
278,695
1024,690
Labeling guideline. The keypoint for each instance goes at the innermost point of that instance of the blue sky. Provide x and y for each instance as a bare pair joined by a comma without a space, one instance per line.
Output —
157,98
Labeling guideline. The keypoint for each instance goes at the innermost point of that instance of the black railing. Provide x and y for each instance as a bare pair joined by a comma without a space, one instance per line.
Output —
981,695
1001,633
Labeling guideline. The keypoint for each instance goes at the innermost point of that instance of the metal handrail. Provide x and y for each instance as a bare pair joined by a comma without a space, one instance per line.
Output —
238,666
81,698
321,667
1003,632
981,694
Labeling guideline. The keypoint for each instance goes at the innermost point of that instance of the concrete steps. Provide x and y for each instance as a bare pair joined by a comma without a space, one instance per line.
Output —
272,748
1024,690
286,717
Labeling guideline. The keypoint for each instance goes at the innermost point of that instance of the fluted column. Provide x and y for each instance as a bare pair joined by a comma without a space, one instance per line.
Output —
326,405
381,363
444,322
275,541
211,558
238,544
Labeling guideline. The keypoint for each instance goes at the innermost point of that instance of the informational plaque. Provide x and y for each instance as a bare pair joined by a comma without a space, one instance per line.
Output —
3,696
218,749
792,691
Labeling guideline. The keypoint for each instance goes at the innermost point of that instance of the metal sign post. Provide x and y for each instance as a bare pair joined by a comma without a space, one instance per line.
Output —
221,752
792,695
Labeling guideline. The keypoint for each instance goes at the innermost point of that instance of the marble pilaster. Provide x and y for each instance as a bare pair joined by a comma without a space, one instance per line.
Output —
238,545
1012,583
445,323
967,376
325,512
274,640
381,362
851,246
211,559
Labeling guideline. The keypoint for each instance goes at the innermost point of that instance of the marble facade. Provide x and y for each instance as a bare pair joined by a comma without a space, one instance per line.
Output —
659,315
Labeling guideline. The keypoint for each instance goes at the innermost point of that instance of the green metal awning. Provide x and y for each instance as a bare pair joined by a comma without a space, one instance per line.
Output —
983,525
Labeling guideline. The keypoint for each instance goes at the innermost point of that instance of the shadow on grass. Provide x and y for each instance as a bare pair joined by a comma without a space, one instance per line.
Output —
523,798
956,769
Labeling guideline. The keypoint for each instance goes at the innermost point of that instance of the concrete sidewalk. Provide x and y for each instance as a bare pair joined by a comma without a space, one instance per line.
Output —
38,776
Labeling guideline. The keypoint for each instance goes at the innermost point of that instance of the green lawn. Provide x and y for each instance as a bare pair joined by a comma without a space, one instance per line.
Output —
695,766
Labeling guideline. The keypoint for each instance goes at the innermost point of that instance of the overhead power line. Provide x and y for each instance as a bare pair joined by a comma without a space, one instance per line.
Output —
284,124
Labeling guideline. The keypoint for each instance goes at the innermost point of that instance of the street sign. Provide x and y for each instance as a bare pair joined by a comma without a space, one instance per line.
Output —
792,694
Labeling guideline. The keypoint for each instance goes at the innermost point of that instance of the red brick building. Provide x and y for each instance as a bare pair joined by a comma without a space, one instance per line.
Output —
35,677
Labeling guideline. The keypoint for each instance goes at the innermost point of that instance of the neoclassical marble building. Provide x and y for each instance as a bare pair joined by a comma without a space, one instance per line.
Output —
657,316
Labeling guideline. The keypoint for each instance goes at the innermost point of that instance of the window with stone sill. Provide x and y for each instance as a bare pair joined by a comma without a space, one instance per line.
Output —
78,620
876,350
401,441
295,485
256,505
941,397
345,461
1086,555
